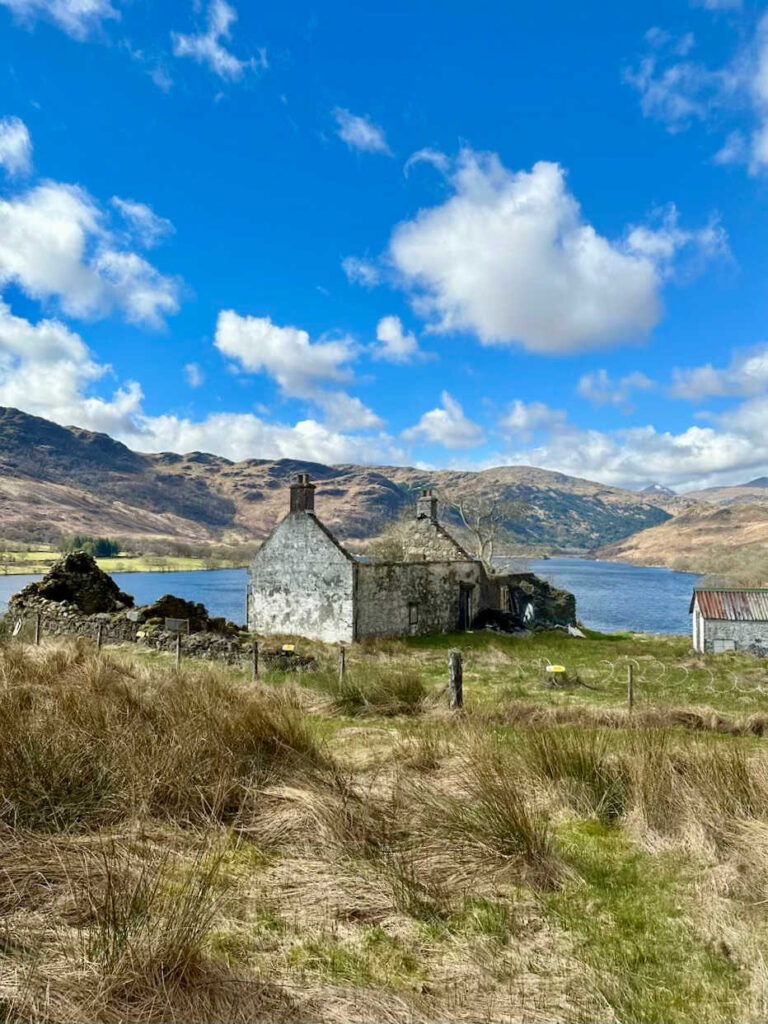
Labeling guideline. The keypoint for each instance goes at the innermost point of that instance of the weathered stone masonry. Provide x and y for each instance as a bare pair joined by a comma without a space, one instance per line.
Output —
302,582
302,575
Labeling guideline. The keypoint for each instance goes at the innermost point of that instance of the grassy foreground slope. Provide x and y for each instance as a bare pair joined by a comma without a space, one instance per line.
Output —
183,845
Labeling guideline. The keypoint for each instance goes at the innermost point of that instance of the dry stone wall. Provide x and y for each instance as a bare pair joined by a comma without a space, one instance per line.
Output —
401,598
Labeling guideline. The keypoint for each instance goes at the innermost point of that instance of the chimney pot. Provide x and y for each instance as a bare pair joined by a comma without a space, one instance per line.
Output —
302,494
426,506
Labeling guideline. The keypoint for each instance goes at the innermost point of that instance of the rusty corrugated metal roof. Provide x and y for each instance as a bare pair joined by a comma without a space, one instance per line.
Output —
735,605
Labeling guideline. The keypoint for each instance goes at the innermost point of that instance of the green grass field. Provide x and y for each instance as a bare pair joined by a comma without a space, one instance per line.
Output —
38,561
185,845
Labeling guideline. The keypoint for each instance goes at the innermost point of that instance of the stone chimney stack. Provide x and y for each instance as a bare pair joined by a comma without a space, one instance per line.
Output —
426,506
302,494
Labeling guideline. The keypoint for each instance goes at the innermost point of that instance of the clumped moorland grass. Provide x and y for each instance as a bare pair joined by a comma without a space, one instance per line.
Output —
184,845
86,741
373,691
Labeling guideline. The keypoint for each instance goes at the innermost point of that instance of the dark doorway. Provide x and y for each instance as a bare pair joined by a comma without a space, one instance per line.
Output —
465,592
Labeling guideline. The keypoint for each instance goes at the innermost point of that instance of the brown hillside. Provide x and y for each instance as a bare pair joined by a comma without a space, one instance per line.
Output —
57,480
729,540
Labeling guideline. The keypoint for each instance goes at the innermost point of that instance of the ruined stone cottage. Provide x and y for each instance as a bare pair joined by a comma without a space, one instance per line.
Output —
303,582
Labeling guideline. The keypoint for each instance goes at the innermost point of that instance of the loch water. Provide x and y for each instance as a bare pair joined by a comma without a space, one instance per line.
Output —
613,596
610,596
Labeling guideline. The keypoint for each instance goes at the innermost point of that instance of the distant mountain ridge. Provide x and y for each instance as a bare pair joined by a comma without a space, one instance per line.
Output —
57,480
659,489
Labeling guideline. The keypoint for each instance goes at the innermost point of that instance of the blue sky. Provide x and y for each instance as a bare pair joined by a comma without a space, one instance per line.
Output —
446,235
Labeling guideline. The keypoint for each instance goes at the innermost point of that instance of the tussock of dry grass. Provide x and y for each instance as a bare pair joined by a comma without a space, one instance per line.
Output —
86,742
185,846
699,719
374,691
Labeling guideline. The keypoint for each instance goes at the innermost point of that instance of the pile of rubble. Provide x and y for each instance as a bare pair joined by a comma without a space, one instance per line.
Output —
77,582
76,598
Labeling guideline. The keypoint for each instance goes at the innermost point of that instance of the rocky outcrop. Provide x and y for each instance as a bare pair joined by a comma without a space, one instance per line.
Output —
77,580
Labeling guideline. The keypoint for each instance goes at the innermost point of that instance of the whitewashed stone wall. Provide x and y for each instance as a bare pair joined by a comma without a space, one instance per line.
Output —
746,636
391,595
302,583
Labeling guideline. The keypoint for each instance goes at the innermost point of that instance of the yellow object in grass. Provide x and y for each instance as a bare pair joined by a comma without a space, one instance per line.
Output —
289,647
555,668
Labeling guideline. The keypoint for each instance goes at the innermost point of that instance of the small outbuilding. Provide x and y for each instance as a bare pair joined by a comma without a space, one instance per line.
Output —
304,582
730,619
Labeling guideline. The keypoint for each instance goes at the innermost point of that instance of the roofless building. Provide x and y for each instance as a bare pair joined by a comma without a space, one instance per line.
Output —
304,582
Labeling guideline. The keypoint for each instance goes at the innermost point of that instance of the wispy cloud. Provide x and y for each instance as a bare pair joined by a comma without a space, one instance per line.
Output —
360,133
207,46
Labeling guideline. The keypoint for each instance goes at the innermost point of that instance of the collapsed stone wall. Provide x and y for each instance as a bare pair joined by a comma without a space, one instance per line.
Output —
76,599
62,618
77,580
549,605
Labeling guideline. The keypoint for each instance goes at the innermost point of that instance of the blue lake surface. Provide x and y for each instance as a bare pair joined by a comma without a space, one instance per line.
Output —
613,596
609,595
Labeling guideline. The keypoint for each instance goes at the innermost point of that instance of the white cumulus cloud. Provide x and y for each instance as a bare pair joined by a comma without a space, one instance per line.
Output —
395,344
360,132
55,242
681,92
695,457
510,257
345,412
144,224
297,364
525,418
47,369
746,375
446,426
600,388
245,436
15,146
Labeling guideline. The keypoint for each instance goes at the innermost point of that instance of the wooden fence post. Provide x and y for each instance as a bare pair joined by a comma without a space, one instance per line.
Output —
99,635
342,663
456,681
255,663
38,628
630,688
178,649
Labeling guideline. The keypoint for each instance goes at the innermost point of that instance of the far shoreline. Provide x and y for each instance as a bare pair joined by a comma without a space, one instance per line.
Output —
38,570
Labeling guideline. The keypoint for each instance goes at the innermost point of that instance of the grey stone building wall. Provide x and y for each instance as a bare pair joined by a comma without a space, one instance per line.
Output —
717,635
302,582
402,598
427,541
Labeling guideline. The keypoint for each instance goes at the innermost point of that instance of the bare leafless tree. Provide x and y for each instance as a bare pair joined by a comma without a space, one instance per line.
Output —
487,519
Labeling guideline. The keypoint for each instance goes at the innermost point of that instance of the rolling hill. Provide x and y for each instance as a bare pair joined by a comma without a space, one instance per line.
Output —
729,540
60,480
